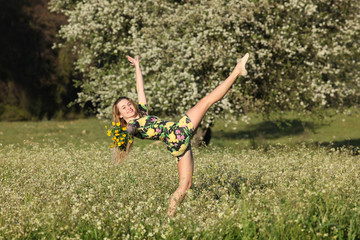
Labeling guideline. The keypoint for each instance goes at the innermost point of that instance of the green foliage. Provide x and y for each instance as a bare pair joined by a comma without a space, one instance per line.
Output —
34,78
13,113
304,54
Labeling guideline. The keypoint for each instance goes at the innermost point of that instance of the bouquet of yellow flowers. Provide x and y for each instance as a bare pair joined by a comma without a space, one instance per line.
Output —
119,136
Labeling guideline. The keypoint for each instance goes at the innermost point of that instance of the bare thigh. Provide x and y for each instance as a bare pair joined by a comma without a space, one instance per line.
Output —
197,112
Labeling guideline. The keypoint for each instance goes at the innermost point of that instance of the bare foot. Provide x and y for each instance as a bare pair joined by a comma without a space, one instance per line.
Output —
240,69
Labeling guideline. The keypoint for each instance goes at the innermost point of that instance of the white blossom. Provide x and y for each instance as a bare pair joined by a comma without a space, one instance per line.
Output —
304,54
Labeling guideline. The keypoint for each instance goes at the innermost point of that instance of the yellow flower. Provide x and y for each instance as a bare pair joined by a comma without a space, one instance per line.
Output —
150,132
117,134
124,135
119,144
111,146
117,140
181,150
105,127
109,133
118,124
116,131
124,129
182,122
130,141
172,138
113,123
121,138
169,124
142,121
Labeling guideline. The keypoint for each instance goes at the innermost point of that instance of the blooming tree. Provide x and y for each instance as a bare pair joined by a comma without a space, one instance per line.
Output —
304,54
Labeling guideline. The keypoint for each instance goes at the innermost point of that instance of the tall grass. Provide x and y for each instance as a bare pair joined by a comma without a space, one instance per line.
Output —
56,191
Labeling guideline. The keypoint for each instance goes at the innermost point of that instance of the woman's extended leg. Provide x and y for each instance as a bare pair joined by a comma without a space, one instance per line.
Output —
186,164
198,111
185,169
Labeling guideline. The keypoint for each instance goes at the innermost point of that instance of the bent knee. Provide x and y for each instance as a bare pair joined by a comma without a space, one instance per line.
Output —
185,184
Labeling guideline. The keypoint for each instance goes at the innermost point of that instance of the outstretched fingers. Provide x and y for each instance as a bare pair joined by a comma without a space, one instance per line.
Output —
133,61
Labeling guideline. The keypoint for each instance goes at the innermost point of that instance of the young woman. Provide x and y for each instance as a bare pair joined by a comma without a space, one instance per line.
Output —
176,135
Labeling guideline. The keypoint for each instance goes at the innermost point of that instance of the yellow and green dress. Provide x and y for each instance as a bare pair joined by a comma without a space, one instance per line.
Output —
176,135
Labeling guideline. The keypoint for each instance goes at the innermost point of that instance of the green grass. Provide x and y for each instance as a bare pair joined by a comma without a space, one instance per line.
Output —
76,131
338,130
69,192
263,180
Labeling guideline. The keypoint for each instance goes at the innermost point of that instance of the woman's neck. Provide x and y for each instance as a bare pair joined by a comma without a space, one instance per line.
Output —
131,118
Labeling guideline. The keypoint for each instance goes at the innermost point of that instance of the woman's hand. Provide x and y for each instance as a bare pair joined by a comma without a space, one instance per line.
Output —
134,61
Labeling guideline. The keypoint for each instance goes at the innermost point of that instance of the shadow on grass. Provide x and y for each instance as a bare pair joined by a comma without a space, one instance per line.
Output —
352,144
271,129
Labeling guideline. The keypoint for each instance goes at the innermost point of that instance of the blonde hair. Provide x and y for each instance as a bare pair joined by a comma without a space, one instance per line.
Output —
119,156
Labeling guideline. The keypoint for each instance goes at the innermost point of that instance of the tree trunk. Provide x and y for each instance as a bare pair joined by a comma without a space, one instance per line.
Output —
202,137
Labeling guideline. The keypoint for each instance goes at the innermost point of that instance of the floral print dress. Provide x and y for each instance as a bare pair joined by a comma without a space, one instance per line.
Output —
176,135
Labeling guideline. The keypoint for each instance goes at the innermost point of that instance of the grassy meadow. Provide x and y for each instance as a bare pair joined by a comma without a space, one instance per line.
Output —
262,180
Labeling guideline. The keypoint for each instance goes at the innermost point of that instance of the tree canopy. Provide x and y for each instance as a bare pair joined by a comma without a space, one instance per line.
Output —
304,54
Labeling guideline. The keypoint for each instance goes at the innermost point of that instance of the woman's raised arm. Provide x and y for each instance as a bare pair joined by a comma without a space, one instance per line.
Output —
139,79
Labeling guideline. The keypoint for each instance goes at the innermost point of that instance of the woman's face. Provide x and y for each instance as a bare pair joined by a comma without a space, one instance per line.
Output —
127,109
